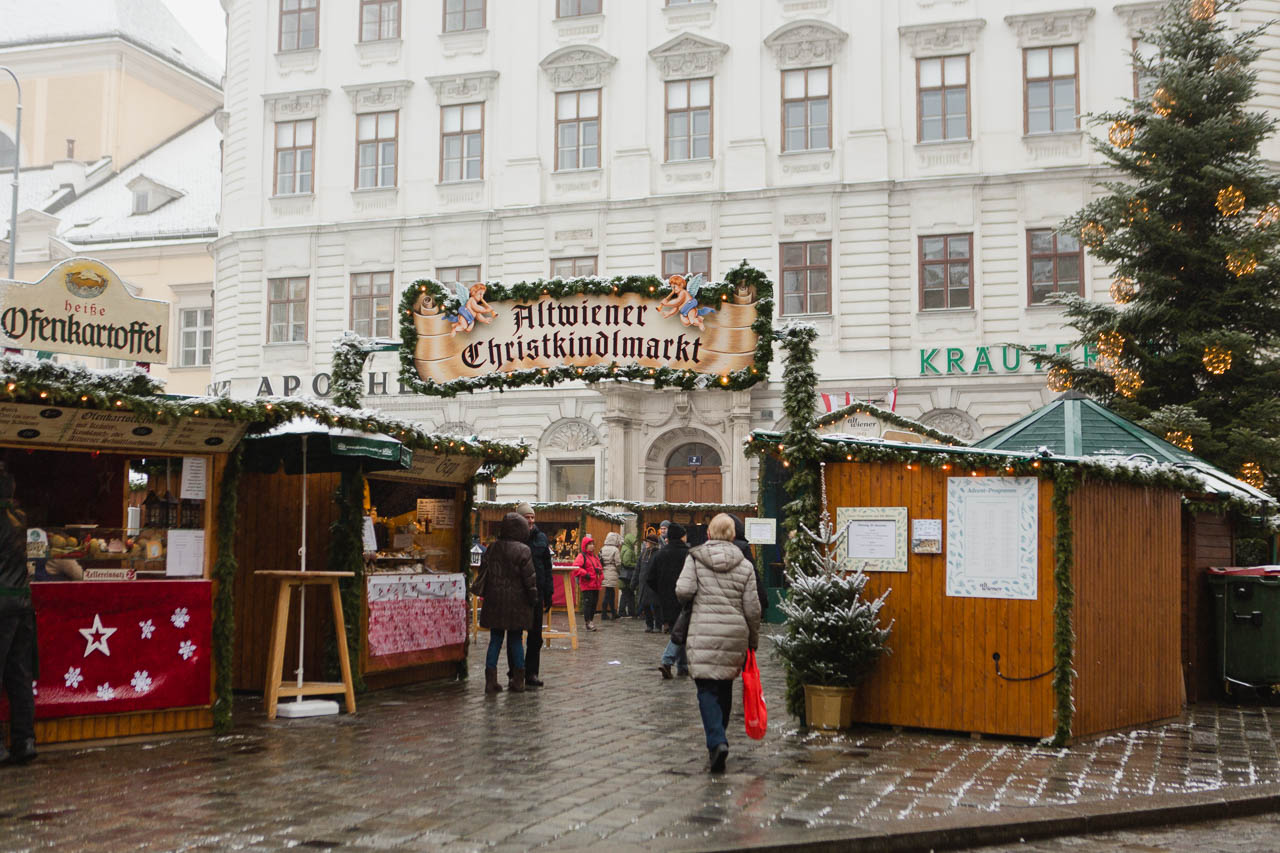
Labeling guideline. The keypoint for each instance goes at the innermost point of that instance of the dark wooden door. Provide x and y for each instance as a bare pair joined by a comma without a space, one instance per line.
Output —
697,484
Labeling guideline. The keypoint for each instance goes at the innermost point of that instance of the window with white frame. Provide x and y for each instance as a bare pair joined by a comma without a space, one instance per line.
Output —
295,156
578,130
943,103
376,143
287,310
462,143
689,119
806,109
1052,91
371,304
195,333
379,19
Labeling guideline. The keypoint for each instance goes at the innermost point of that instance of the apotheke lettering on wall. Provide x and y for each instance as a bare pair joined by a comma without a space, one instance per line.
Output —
380,383
980,361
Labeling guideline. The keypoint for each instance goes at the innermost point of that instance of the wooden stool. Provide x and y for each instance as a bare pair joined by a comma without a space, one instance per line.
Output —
570,602
286,581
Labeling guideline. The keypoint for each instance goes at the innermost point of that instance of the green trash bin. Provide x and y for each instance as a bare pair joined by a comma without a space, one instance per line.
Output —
1246,607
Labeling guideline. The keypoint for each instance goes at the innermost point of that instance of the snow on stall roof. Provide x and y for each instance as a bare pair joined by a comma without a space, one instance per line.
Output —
146,23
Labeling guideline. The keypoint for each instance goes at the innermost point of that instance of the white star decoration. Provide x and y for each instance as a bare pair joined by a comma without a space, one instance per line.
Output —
102,633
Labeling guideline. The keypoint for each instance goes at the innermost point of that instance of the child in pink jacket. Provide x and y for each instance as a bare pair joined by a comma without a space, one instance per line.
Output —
590,576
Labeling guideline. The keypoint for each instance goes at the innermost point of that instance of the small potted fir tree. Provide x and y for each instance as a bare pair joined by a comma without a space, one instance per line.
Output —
833,635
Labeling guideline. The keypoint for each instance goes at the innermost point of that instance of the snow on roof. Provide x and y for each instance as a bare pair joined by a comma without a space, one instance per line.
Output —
146,23
189,162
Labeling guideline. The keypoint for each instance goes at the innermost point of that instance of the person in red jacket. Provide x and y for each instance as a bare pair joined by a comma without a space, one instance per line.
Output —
590,577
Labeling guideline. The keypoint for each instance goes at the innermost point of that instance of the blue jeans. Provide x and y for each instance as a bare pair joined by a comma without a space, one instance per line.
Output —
515,649
715,696
674,654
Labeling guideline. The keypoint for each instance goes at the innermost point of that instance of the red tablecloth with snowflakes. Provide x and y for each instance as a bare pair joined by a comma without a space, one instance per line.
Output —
111,647
414,613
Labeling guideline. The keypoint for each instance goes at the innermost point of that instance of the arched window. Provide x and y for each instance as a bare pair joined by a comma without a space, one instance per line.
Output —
694,455
7,151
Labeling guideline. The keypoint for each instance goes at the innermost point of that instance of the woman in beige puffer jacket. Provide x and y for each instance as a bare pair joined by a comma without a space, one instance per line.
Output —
611,560
721,582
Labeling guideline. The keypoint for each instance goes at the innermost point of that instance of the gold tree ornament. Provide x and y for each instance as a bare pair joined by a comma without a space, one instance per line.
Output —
1110,344
1123,289
1128,381
1178,438
1163,102
1269,216
1217,360
1092,234
1203,10
1121,133
1230,200
1059,379
1242,262
1251,473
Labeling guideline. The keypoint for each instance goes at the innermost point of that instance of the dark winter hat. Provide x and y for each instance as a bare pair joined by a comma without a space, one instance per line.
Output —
675,531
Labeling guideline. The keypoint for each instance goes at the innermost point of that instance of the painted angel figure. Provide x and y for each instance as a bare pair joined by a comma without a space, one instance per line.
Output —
683,300
473,308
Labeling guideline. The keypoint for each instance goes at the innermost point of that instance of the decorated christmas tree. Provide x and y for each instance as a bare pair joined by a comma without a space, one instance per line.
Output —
1191,346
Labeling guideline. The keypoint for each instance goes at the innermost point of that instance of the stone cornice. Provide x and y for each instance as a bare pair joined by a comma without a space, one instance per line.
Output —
688,55
369,97
463,88
1042,29
805,43
578,66
940,39
1139,16
300,104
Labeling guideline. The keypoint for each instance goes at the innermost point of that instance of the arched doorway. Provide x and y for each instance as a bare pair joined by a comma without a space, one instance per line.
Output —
693,474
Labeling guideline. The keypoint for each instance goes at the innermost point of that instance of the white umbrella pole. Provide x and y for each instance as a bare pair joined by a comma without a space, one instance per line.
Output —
302,559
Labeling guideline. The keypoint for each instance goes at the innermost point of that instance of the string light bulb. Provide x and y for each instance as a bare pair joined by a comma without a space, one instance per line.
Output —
1059,379
1251,473
1178,438
1230,200
1128,381
1242,262
1163,102
1121,133
1110,344
1092,234
1217,360
1123,290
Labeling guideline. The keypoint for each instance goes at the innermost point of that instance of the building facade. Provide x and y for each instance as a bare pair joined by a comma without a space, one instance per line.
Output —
897,168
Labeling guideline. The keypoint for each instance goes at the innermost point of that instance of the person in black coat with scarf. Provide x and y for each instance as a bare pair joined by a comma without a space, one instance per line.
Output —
540,548
667,566
740,539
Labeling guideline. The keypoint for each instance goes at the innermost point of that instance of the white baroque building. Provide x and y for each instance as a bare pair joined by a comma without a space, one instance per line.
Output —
895,166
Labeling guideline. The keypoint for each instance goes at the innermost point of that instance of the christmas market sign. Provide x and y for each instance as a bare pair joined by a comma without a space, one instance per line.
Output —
433,468
682,332
81,307
23,423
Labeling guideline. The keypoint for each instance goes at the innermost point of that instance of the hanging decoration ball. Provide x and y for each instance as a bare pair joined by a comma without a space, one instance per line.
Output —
1226,62
1110,344
1138,209
1270,215
1178,438
1242,262
1203,10
1127,381
1251,473
1230,200
1106,363
1121,133
1123,289
1092,234
1163,102
1217,360
1059,379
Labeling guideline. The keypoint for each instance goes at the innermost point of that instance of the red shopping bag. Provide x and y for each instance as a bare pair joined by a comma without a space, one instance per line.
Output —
753,706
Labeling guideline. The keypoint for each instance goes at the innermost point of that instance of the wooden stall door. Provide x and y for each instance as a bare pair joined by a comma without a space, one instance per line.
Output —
941,674
1206,542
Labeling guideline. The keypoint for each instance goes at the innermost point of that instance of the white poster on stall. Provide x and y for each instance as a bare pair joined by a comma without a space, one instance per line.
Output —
992,542
874,538
185,557
195,478
441,511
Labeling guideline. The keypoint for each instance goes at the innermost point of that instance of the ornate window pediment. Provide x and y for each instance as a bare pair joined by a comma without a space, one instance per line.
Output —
688,55
1140,16
290,106
463,88
378,96
801,44
1049,28
942,39
578,66
570,436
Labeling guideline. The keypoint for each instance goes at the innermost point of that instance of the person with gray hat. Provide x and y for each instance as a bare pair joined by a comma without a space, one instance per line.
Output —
540,547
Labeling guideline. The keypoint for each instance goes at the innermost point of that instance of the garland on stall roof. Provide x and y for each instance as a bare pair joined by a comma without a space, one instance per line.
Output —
1064,636
710,294
224,574
860,407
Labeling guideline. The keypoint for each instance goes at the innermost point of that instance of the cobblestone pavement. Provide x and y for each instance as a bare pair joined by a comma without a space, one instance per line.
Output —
608,752
1259,834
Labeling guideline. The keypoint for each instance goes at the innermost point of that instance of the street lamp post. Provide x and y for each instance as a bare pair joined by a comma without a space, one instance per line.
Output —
17,152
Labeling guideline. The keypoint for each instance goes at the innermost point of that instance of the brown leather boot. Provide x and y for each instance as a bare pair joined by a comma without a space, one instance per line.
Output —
516,684
491,684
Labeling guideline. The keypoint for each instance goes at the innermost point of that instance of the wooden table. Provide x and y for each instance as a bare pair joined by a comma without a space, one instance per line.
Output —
286,581
570,597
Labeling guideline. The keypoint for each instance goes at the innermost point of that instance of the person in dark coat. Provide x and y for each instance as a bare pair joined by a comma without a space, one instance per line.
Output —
17,629
510,597
740,540
667,566
540,548
646,597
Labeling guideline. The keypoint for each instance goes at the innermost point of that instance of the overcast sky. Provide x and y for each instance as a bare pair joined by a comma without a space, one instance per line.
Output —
206,22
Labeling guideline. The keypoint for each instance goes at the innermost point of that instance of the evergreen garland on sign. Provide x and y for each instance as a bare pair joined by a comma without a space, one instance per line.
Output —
652,287
860,407
224,575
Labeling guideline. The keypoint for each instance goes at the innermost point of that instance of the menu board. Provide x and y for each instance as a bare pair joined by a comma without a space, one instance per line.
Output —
992,542
46,426
442,512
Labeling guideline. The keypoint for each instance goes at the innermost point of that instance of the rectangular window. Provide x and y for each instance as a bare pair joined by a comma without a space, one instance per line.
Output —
141,199
689,119
462,143
462,15
578,130
1144,82
379,19
1052,95
686,262
461,275
806,109
572,481
371,304
195,328
574,8
806,277
286,310
573,267
943,105
946,271
299,24
1055,264
376,135
295,156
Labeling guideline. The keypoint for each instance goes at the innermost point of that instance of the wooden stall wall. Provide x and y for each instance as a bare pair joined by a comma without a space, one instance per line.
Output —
1207,541
1128,603
268,531
941,674
598,529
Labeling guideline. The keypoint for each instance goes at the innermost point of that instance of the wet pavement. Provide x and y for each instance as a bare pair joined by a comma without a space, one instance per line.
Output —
1247,835
607,753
